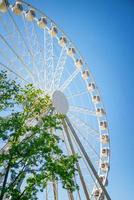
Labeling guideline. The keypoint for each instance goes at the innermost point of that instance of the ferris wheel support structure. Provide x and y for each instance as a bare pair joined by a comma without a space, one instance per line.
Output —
67,122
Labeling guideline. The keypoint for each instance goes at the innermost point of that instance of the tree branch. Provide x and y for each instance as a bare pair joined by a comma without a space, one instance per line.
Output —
5,181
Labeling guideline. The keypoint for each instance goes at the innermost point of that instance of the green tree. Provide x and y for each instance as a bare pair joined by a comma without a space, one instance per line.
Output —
30,153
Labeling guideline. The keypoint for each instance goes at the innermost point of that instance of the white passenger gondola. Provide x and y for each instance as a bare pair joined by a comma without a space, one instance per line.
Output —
98,194
42,22
100,112
4,5
30,15
104,139
62,41
104,166
91,87
103,180
71,52
103,125
17,8
85,74
78,63
53,31
105,152
96,99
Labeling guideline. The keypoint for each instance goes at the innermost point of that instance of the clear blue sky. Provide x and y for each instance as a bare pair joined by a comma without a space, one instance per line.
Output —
103,30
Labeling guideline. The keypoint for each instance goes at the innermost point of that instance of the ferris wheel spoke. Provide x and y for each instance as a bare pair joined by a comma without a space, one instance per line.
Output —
19,58
24,47
44,67
77,94
32,47
86,141
10,66
13,72
69,80
10,37
94,155
84,124
10,34
39,56
18,31
82,110
59,69
42,56
4,24
39,61
49,59
38,53
28,35
6,58
81,154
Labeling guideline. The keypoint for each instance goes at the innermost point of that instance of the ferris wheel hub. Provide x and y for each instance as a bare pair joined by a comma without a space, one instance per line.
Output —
60,102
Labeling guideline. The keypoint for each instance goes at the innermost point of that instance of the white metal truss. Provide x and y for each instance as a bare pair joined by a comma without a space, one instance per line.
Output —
59,69
85,111
49,55
69,80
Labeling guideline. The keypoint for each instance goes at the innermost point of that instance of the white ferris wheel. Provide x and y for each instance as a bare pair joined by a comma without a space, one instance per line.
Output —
33,49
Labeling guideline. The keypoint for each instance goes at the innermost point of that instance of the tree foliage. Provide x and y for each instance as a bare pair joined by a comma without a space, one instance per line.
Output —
30,156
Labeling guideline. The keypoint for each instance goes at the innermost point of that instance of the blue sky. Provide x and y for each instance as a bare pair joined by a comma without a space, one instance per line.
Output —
104,33
103,30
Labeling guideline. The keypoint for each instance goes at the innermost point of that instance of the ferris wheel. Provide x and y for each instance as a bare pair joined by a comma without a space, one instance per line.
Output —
33,49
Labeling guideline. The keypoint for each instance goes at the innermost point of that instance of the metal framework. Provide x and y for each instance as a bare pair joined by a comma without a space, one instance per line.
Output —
37,51
86,157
